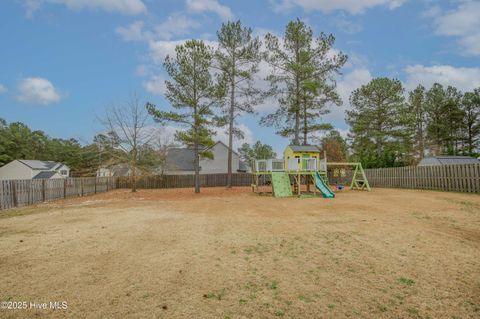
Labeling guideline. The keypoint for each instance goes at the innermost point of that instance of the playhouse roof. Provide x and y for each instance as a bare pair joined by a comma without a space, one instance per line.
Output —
304,148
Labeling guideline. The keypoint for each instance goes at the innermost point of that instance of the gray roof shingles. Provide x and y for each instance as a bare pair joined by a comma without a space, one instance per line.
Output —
40,165
448,160
180,159
44,174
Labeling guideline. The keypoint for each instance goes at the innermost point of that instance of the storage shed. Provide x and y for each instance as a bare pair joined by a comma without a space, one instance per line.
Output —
447,160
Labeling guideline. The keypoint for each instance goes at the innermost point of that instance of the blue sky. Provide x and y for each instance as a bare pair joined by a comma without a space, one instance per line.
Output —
63,61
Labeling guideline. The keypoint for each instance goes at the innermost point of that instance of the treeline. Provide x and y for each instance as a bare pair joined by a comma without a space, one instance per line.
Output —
18,141
389,129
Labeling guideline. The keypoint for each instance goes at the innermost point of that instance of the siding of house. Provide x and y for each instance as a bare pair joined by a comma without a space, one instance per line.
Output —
63,168
180,172
220,161
16,170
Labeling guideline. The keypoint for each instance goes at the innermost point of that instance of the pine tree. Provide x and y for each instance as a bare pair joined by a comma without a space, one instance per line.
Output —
444,119
416,102
257,151
381,125
238,57
193,90
471,122
302,79
335,146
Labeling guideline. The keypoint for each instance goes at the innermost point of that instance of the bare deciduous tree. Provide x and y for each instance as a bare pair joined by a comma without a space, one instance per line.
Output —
128,125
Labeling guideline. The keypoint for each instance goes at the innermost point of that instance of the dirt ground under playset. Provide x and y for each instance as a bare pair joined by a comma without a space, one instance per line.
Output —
223,253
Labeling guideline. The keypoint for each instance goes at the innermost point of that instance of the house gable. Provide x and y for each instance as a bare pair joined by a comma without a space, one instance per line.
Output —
28,169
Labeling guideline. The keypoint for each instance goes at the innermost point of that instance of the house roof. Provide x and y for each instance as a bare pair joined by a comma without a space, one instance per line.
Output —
45,174
120,170
40,165
448,160
304,148
180,159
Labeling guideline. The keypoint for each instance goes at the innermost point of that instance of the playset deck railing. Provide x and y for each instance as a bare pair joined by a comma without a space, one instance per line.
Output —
293,165
269,165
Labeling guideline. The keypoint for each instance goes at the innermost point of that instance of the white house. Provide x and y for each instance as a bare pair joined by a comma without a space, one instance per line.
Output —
115,170
180,161
34,169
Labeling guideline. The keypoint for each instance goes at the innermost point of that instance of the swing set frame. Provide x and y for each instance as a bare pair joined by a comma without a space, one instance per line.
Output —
359,179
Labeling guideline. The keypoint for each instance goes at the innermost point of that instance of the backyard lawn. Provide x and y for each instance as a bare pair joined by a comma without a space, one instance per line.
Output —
232,254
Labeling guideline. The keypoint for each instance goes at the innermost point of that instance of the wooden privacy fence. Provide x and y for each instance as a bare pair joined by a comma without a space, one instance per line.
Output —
178,181
457,178
16,193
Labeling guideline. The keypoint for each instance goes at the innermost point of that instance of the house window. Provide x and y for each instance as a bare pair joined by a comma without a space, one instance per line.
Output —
64,172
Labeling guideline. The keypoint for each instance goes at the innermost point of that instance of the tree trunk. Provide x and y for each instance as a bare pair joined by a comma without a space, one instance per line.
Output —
305,122
197,168
196,152
134,171
230,127
296,138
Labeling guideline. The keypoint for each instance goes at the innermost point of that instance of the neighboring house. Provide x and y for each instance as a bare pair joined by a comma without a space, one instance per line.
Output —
115,170
34,169
448,160
180,161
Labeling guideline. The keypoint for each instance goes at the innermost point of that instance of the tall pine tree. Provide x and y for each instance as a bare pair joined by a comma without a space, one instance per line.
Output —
302,78
416,102
238,57
193,90
381,124
444,119
471,122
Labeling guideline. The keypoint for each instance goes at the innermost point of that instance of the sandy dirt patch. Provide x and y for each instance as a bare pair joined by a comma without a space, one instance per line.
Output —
233,254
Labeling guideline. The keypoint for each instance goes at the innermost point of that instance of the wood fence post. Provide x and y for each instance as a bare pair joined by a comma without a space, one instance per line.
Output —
43,190
81,185
95,186
14,193
65,188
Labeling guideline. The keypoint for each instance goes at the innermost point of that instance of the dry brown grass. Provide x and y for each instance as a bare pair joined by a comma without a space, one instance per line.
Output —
233,254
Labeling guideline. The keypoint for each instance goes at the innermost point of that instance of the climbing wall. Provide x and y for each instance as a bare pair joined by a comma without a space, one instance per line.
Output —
281,184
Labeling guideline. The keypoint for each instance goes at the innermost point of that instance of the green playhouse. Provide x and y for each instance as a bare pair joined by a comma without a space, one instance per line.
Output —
302,172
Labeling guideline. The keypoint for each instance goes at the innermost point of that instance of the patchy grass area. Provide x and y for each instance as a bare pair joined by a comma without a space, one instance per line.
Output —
232,254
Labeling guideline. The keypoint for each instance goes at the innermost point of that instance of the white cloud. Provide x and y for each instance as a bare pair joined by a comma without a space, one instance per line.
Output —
463,78
327,6
462,22
199,6
346,25
345,86
127,7
222,136
37,91
3,89
134,32
155,85
174,25
158,50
